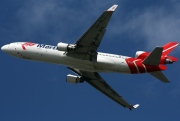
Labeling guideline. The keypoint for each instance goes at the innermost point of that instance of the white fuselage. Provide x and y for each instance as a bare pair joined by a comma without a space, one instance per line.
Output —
47,53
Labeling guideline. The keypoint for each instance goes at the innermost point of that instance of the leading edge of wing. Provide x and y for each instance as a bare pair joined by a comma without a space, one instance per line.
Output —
100,23
95,80
89,41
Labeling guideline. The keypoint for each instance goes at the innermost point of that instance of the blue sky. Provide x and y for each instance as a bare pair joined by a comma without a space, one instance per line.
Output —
34,91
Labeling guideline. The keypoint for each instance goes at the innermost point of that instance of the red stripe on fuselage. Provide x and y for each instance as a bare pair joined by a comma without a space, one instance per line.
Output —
140,66
131,65
143,55
136,66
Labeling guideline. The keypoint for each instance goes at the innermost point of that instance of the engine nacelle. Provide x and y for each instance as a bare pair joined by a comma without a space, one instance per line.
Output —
74,79
65,47
168,61
141,54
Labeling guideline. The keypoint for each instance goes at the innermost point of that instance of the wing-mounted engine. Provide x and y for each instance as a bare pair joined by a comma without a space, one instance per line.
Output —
65,47
74,79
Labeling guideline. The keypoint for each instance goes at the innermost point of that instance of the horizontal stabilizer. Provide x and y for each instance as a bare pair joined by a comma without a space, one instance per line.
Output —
153,59
159,75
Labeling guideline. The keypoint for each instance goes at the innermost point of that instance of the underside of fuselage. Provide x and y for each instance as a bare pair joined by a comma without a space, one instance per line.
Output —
105,62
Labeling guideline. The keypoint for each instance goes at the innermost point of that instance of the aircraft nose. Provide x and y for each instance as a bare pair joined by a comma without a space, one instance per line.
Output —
5,48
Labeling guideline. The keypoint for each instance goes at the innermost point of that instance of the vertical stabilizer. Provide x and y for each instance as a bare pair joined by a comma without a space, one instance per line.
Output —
167,48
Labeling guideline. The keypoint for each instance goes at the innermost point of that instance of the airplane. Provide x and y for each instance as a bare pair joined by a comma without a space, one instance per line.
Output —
83,59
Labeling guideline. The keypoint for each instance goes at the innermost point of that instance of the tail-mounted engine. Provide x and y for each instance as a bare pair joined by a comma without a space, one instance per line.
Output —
168,60
164,58
65,47
74,79
141,55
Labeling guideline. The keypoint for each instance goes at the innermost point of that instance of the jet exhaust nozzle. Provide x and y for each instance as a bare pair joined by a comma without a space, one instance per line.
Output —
168,61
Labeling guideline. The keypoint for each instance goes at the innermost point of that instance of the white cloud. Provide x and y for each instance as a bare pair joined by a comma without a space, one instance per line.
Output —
154,25
66,20
59,20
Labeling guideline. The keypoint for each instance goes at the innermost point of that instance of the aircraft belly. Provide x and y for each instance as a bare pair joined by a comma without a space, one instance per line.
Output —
56,57
103,64
109,64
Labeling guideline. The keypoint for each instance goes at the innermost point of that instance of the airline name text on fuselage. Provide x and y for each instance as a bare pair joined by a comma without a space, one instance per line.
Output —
47,46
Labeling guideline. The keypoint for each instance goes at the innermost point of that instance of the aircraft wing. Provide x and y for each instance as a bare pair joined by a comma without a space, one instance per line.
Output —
86,46
95,80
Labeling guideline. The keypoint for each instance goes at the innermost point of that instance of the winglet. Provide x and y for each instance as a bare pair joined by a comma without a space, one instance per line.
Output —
136,106
112,8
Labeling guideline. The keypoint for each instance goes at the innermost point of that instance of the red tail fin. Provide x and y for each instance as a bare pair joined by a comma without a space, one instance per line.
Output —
167,48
